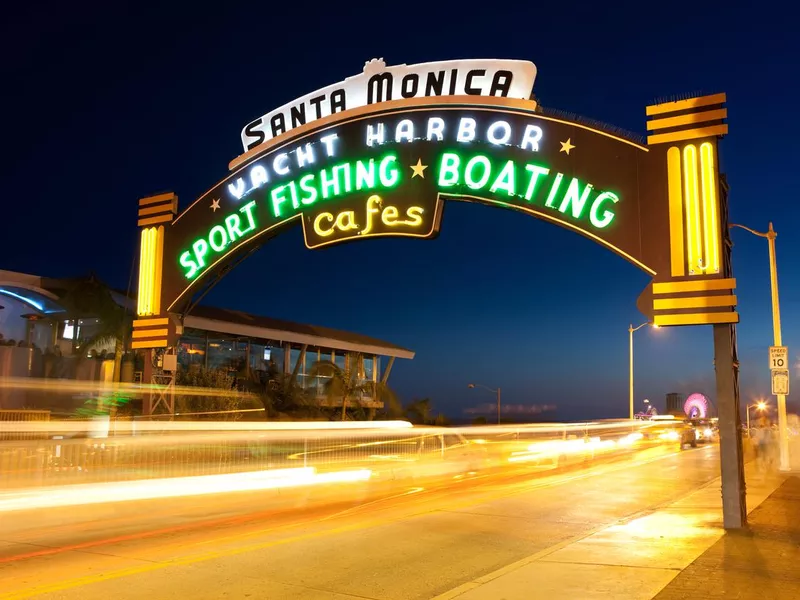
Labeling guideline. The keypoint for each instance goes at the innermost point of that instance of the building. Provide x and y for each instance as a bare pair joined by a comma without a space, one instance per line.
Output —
675,403
34,319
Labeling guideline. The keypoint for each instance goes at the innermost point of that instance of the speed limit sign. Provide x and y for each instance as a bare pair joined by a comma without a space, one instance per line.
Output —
778,357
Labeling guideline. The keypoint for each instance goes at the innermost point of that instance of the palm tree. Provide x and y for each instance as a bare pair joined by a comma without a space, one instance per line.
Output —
91,298
346,383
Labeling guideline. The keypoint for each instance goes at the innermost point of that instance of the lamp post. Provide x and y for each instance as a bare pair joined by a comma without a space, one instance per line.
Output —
783,435
760,406
631,329
472,386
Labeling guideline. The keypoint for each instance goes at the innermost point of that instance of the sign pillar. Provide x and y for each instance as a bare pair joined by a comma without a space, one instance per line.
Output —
734,506
152,328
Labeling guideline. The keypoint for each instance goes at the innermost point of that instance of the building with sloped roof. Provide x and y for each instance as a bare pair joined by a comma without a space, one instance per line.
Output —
35,318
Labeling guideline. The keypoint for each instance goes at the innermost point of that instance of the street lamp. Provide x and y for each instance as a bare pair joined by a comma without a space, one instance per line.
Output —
759,406
783,435
631,329
472,386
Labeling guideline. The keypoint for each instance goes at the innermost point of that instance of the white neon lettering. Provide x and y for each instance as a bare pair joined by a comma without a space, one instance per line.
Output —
305,155
258,176
375,137
281,169
466,130
237,190
532,137
404,130
435,128
328,140
505,133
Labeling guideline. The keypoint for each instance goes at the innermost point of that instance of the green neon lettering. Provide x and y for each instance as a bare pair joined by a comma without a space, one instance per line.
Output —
200,248
448,170
186,261
365,175
553,190
536,171
327,184
277,199
389,177
572,197
248,210
469,179
344,169
218,231
305,185
232,222
505,180
608,216
293,194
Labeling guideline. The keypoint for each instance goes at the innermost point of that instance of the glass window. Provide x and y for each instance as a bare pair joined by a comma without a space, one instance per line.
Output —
192,351
276,356
369,368
259,357
226,354
339,359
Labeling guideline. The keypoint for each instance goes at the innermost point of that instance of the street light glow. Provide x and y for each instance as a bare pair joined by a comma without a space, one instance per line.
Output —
761,405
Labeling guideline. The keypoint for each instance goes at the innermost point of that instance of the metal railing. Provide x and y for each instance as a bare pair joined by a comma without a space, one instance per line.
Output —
93,452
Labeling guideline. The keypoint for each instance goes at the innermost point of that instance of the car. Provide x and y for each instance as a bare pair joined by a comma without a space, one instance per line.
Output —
688,435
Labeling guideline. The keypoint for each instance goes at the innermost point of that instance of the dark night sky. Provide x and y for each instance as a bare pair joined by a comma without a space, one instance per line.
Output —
109,102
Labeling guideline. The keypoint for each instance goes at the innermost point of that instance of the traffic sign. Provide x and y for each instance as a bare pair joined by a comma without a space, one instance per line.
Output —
778,357
780,382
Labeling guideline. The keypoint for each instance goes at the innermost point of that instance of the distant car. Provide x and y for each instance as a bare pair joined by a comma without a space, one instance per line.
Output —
705,430
688,435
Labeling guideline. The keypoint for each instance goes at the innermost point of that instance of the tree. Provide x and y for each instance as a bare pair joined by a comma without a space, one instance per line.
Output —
91,298
346,383
418,411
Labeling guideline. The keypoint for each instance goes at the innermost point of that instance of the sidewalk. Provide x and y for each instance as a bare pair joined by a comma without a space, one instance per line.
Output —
765,563
677,551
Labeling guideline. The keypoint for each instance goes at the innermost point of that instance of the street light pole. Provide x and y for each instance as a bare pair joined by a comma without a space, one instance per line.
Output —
758,405
631,329
783,434
497,391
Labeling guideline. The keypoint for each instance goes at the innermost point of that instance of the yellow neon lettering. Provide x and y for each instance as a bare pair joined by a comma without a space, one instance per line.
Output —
346,221
373,208
389,216
318,224
415,214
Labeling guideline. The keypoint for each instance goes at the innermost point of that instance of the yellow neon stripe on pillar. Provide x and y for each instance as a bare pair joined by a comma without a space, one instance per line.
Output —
708,177
691,194
158,255
147,272
141,299
677,261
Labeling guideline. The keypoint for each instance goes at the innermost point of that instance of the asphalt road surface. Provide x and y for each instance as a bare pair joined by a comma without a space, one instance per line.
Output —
342,543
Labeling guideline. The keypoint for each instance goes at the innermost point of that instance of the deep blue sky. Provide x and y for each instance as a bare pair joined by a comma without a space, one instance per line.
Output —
108,102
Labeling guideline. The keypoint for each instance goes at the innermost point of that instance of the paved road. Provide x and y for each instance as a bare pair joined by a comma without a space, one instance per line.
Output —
398,544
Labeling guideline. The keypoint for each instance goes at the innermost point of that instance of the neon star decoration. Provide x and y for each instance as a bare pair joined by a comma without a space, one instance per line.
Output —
566,146
418,169
214,205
